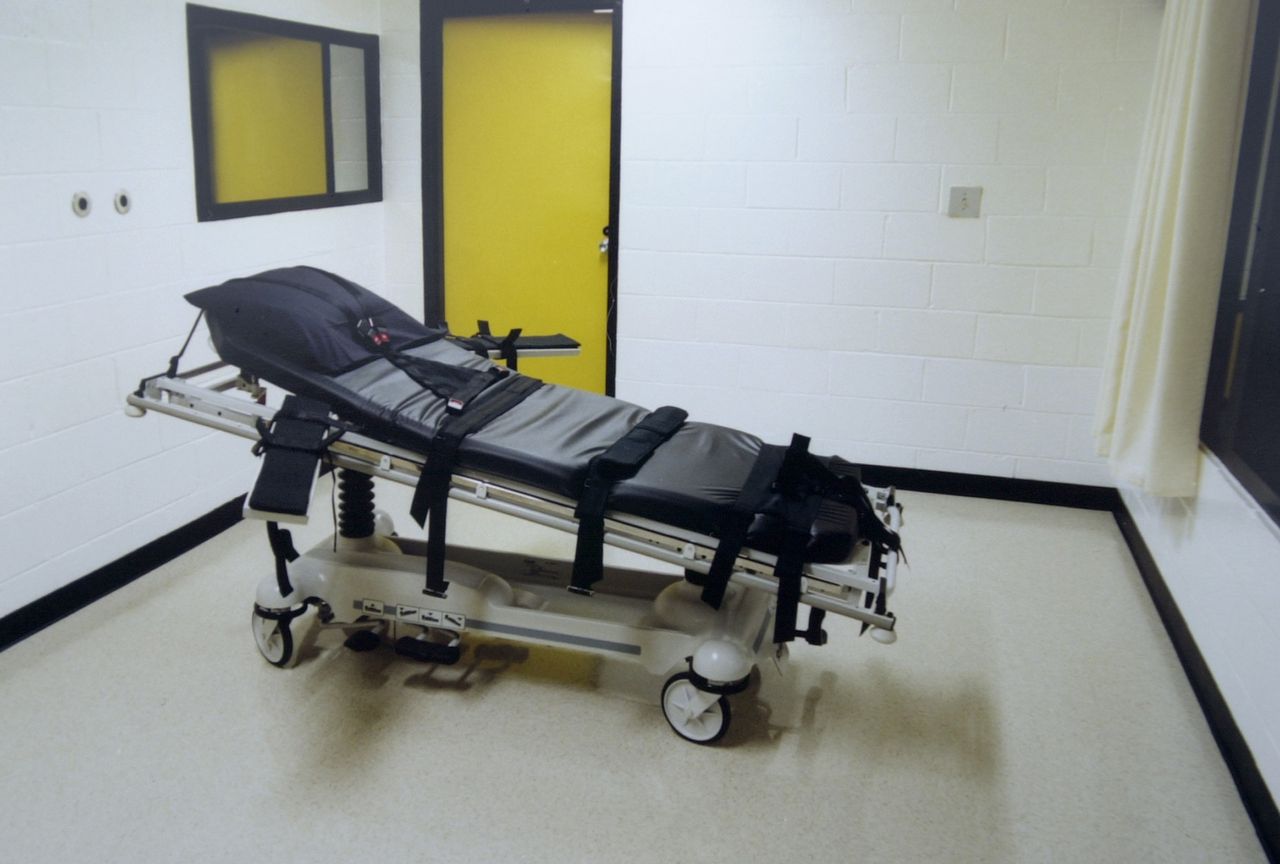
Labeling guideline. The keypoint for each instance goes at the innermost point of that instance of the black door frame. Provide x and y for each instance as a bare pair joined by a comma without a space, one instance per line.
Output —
432,17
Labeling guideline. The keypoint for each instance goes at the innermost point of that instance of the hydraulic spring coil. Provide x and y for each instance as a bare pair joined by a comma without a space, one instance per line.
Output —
355,504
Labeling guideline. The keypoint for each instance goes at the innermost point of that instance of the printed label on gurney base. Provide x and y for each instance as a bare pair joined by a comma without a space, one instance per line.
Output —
418,615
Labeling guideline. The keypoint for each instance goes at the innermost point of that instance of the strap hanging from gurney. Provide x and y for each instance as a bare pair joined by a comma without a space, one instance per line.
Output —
298,434
173,361
621,461
282,548
789,567
805,483
431,496
172,369
733,532
802,502
786,471
849,490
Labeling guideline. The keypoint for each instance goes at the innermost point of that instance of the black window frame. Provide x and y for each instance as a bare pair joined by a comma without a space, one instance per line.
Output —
203,18
1238,323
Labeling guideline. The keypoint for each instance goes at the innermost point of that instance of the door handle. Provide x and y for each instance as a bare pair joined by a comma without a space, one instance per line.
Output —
604,244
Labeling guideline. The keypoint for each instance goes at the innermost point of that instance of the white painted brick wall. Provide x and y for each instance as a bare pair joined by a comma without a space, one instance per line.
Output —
835,137
886,284
933,237
785,172
882,187
974,383
93,97
946,138
952,38
899,88
1026,339
983,288
793,186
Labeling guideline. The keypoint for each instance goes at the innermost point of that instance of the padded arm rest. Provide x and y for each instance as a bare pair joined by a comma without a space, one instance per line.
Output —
291,447
556,342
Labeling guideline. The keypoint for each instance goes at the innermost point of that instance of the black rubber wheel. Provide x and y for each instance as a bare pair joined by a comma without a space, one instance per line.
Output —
362,640
274,637
705,727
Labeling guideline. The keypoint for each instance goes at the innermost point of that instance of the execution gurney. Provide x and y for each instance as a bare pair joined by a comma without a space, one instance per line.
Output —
758,530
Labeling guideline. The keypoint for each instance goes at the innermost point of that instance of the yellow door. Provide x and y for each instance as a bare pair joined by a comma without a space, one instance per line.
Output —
526,160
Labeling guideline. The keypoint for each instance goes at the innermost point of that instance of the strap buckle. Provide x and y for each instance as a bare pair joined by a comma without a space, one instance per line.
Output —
371,331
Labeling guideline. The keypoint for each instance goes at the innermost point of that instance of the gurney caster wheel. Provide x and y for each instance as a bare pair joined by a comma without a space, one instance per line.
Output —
694,714
273,634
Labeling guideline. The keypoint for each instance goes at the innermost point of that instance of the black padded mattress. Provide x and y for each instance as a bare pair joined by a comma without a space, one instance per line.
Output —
301,329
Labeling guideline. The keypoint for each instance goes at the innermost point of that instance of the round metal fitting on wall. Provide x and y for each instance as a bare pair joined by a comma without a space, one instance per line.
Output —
80,204
123,202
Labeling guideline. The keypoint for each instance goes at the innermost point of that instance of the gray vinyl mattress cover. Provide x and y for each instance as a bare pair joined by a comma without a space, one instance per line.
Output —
300,328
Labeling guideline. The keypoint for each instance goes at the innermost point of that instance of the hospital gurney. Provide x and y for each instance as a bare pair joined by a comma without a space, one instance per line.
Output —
757,530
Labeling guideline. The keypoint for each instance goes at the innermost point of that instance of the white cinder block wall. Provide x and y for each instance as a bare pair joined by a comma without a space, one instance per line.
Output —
786,264
94,98
402,153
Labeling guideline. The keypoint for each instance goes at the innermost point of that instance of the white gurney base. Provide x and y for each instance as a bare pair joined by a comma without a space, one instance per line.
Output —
648,618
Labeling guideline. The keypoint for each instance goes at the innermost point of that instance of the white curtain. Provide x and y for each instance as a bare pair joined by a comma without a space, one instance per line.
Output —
1148,419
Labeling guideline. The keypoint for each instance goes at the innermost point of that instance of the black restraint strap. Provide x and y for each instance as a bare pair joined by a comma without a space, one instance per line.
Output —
506,346
456,384
293,443
789,472
431,497
849,490
789,567
802,481
282,548
621,461
806,482
733,532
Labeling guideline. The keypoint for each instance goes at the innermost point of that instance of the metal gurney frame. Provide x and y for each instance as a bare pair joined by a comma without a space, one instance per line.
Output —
374,583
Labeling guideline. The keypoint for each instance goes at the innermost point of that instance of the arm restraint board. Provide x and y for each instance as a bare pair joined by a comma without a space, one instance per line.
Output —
291,446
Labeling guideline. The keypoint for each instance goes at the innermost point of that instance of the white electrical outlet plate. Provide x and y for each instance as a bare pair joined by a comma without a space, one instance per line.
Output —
966,202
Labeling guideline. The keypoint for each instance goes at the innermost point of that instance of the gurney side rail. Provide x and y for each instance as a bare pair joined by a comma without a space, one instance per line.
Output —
202,397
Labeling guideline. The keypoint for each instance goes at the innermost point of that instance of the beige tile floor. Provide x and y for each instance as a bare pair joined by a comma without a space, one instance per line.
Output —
1033,710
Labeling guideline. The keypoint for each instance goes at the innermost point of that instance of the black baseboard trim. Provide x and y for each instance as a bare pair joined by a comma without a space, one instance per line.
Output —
53,607
997,488
1253,790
